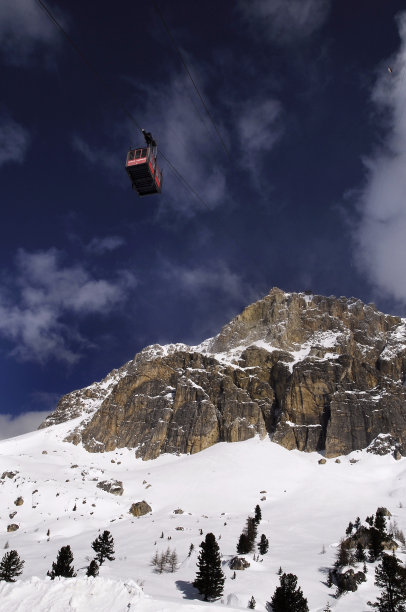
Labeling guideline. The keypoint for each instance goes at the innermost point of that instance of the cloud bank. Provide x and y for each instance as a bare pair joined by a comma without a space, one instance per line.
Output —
285,21
380,237
14,140
38,302
24,29
24,423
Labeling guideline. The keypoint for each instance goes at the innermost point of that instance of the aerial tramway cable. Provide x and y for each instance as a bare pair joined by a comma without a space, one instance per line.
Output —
168,31
107,88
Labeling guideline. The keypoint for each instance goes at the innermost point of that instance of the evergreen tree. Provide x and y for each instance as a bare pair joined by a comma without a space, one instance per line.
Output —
330,579
62,566
343,554
191,548
349,529
375,544
243,546
263,545
390,576
360,553
258,514
93,569
209,578
251,531
380,523
11,566
252,603
103,546
357,523
288,597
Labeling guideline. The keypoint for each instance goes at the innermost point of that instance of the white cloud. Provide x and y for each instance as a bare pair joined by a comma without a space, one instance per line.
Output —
24,28
93,154
219,277
98,246
11,426
380,244
285,21
14,140
259,125
44,293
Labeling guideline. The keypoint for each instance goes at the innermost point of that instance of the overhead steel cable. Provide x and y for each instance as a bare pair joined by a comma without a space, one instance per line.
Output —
168,31
111,92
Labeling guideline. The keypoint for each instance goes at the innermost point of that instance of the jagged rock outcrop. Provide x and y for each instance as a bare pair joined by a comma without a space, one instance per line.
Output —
316,373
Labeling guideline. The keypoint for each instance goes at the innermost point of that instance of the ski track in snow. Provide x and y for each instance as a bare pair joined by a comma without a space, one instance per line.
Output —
307,506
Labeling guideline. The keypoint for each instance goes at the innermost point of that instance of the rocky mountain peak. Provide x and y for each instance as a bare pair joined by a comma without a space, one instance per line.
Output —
313,372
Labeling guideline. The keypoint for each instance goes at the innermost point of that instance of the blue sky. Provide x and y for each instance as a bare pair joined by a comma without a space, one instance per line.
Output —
310,196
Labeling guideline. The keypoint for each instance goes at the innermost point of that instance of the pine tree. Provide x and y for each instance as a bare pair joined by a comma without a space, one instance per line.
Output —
375,544
209,578
380,523
252,603
93,569
263,545
343,554
360,553
103,546
251,531
330,579
349,529
390,576
62,566
191,548
357,523
258,514
11,566
289,597
243,546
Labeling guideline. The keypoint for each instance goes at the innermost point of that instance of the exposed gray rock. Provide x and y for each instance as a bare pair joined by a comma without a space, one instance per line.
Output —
12,527
19,501
8,475
238,563
140,508
115,487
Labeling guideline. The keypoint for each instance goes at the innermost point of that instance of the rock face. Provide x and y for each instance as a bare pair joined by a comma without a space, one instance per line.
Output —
315,373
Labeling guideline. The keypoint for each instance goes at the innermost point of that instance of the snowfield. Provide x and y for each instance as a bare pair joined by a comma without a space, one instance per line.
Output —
306,508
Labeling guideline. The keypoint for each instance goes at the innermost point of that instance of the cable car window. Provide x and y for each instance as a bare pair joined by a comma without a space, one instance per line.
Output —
144,153
131,155
138,154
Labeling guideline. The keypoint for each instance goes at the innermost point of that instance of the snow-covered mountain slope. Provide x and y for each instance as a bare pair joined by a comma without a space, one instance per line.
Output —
305,507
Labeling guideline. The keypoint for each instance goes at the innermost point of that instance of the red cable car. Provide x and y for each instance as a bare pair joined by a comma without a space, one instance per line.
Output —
142,168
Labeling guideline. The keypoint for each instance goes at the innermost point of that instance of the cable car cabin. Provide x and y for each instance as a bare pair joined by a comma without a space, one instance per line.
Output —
143,170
